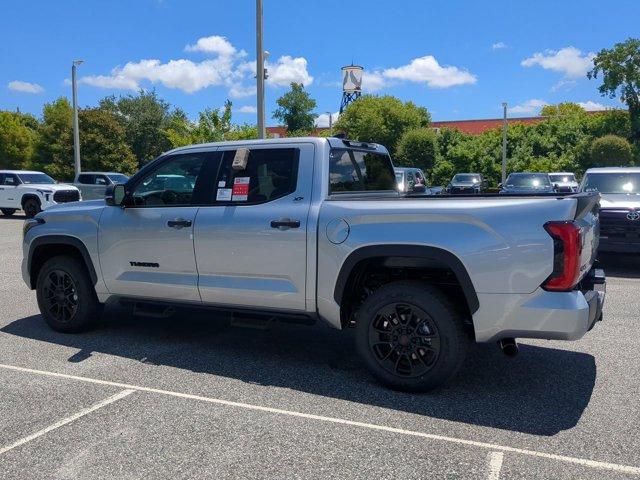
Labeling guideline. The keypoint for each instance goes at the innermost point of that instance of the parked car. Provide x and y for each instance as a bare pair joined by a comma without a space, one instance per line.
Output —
619,206
93,185
412,180
32,192
564,181
466,183
519,183
315,229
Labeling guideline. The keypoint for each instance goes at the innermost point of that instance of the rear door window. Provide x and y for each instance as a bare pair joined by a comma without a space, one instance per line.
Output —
86,179
271,173
10,180
355,170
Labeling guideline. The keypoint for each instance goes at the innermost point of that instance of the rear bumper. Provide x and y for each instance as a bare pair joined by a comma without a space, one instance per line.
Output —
618,246
542,314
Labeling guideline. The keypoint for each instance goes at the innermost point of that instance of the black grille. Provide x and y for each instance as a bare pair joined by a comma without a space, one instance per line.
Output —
615,224
64,196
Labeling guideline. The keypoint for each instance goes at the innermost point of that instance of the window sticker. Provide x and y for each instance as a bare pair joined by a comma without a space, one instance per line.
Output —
240,189
223,194
222,184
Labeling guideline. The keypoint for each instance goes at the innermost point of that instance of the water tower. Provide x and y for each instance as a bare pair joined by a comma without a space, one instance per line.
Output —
351,85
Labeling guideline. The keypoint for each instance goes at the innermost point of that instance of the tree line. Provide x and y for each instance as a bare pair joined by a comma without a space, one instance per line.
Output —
124,133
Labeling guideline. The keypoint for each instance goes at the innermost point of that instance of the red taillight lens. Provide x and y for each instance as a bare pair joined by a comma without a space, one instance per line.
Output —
567,245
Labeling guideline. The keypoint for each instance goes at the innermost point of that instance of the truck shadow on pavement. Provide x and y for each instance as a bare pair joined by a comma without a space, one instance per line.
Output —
542,391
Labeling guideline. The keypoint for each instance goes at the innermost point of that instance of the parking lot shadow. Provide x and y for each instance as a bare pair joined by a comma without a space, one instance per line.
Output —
542,391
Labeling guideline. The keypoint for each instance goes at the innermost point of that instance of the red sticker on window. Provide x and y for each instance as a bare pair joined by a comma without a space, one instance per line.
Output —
240,192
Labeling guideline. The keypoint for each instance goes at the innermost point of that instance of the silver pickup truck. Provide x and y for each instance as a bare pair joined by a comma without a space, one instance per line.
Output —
314,228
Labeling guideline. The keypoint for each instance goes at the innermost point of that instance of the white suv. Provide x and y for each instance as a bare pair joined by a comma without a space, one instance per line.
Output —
32,192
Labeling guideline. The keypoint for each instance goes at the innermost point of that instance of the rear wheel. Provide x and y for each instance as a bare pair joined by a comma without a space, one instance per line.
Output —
66,296
31,207
411,336
8,211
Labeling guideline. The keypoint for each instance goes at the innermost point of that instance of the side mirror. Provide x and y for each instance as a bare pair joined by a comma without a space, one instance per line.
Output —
114,195
500,185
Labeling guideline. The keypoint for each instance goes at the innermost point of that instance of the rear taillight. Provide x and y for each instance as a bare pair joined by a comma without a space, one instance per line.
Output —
567,247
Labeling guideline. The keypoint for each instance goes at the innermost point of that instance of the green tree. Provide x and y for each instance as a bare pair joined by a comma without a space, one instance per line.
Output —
103,143
18,138
295,110
178,129
418,148
566,108
620,70
54,150
611,151
242,132
212,125
144,117
381,119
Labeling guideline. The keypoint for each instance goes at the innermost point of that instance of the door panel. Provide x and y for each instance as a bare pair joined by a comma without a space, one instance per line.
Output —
140,255
146,248
242,259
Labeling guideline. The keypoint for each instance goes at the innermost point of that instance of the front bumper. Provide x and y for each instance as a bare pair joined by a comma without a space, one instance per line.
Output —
542,314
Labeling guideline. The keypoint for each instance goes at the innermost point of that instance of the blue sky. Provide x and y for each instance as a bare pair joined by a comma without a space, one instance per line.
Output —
460,59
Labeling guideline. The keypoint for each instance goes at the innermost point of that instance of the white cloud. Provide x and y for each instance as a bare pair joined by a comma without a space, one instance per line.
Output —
591,106
427,70
498,46
569,61
226,68
564,85
529,107
25,87
372,81
322,120
247,109
214,44
288,70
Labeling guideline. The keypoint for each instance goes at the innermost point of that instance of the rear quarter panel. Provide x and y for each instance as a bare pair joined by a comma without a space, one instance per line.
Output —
500,241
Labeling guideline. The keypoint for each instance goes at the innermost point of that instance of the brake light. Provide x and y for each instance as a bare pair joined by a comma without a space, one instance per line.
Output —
567,247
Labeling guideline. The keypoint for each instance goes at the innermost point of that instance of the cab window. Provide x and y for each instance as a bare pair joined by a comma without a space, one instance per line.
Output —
10,180
270,173
86,179
171,184
355,170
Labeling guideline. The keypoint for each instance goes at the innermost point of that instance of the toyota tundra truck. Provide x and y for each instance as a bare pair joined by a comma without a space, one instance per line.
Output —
315,229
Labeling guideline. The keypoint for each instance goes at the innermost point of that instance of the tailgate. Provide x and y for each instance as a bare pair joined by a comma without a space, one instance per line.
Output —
587,218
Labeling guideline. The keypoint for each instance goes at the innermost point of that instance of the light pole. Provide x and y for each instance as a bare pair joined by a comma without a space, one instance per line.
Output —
504,141
260,73
76,133
330,122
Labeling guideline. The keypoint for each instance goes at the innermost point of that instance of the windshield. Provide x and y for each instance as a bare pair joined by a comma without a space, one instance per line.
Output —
528,180
612,182
467,178
118,178
36,178
562,177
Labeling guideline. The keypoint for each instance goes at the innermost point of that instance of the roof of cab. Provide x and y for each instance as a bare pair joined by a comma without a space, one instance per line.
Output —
614,170
18,171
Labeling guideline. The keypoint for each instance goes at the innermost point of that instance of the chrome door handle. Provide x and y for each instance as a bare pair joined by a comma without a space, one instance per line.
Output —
285,223
178,223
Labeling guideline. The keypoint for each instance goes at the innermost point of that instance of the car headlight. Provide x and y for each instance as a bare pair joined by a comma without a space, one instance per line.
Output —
29,224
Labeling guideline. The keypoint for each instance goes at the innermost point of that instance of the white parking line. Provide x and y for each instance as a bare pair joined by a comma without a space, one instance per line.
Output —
494,466
70,419
371,426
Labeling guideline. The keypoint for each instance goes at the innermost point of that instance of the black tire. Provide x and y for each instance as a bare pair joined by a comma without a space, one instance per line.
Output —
31,207
8,211
423,343
66,296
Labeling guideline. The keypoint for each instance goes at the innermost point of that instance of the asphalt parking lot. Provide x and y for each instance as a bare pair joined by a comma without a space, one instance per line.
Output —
193,397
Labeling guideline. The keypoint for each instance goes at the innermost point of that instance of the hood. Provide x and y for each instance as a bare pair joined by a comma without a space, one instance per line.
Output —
465,184
527,189
619,200
566,184
73,207
52,187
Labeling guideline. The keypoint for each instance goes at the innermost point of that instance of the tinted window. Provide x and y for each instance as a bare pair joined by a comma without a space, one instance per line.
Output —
118,178
612,182
271,173
562,178
355,170
10,179
36,178
86,179
101,180
172,183
465,177
528,180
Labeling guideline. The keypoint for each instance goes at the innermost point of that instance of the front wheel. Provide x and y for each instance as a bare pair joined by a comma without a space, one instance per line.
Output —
31,208
66,296
8,211
411,336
